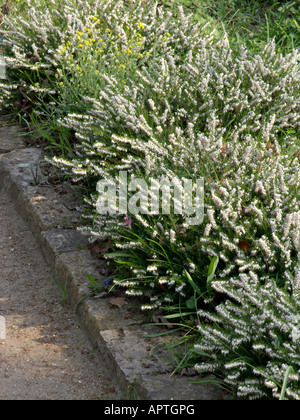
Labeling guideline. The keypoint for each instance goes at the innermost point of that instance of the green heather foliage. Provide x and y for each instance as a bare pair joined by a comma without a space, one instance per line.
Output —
160,98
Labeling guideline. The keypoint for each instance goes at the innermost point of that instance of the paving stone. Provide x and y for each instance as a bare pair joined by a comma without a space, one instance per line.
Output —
137,361
97,314
9,139
43,209
58,241
18,168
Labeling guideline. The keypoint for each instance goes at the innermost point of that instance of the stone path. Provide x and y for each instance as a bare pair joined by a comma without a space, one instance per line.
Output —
46,355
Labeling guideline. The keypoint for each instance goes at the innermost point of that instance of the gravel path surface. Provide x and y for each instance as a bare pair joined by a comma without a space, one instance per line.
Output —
45,355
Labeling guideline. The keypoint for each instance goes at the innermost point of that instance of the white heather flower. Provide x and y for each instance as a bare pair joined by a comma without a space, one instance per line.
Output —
207,229
217,201
152,104
295,334
192,267
263,242
259,188
152,268
172,236
210,214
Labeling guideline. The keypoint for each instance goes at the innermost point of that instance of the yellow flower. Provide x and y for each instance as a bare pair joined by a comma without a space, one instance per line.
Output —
96,72
62,50
141,26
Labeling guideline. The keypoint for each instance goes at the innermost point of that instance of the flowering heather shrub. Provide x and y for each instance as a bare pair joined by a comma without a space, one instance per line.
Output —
41,42
190,108
164,140
211,90
254,337
243,138
77,40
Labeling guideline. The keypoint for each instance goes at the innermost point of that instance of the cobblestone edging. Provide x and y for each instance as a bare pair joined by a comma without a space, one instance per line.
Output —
118,334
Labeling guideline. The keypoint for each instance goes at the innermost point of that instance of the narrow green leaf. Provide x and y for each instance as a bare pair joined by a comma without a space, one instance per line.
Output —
117,254
192,283
180,315
288,372
211,272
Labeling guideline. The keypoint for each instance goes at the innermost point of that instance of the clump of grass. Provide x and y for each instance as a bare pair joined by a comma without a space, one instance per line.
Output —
251,23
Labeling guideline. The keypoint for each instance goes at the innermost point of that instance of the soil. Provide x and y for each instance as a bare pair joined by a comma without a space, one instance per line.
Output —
46,355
